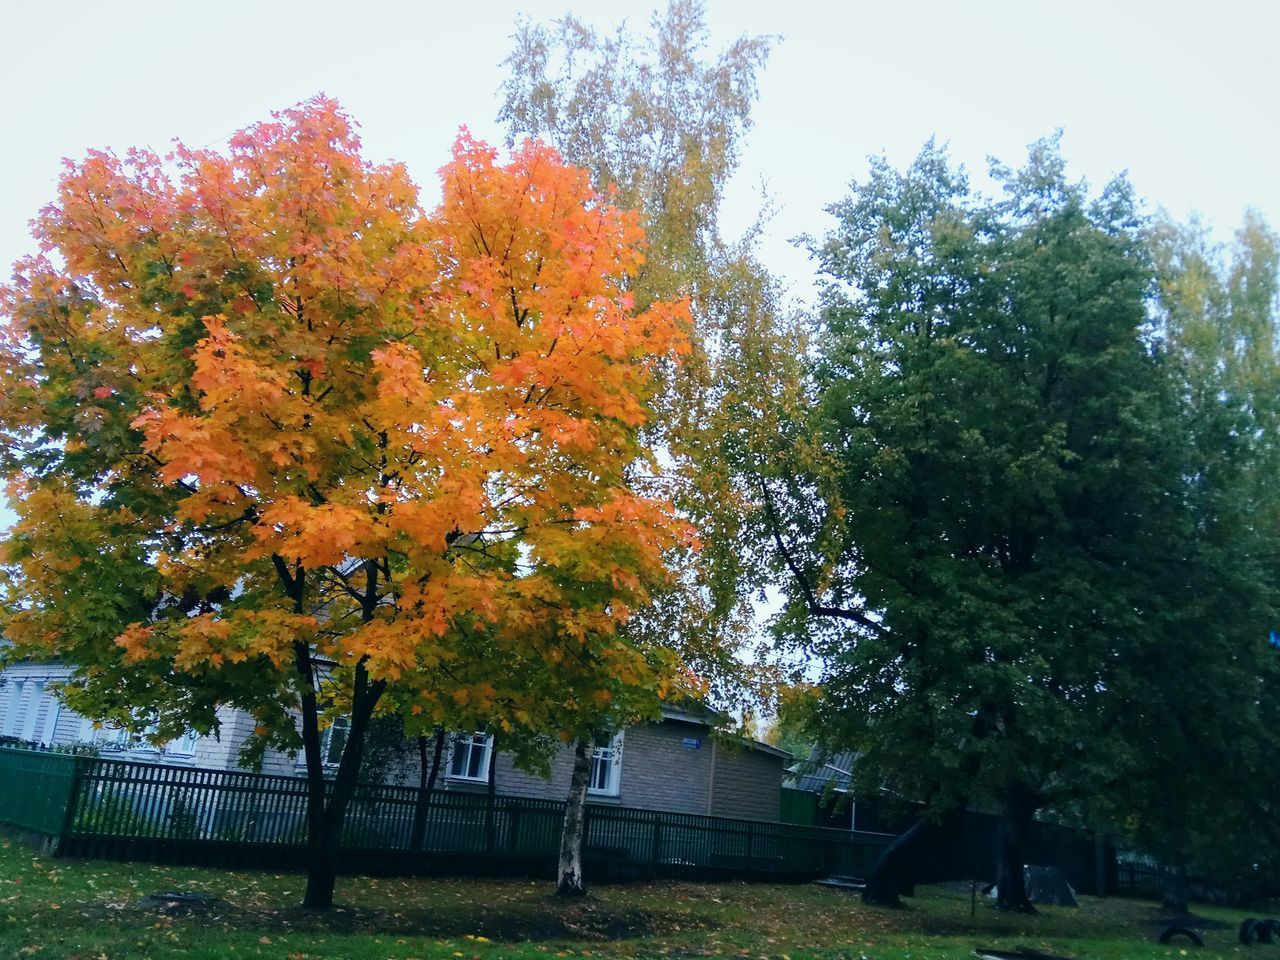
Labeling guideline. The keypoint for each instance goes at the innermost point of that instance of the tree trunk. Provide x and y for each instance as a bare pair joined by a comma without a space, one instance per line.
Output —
899,867
321,872
1100,862
437,753
569,879
322,869
427,773
1015,823
1177,899
326,820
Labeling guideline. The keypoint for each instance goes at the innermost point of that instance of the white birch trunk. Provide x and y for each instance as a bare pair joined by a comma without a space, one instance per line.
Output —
569,882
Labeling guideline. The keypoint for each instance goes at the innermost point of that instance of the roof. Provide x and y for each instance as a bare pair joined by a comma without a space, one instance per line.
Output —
821,773
703,716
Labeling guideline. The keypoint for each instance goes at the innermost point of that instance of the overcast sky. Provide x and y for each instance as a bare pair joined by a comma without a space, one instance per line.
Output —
1180,94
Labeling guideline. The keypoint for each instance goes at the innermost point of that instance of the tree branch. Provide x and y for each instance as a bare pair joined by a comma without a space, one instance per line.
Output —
810,597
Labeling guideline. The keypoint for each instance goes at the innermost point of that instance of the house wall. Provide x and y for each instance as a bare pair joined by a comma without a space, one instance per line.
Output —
738,785
665,766
55,725
510,781
650,755
30,711
223,752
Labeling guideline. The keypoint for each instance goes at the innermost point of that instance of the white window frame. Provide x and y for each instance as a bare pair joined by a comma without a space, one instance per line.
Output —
465,744
606,768
16,689
112,738
340,724
183,746
139,744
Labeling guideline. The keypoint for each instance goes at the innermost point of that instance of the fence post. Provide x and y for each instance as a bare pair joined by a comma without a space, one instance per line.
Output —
513,826
69,808
657,841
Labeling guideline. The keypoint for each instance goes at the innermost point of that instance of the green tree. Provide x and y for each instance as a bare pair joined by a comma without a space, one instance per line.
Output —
969,539
788,729
1203,708
661,123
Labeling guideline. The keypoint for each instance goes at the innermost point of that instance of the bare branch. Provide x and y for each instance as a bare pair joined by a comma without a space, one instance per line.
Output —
806,589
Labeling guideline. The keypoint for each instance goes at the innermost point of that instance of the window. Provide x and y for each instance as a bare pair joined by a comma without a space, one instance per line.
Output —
333,740
139,744
184,746
112,738
471,756
606,767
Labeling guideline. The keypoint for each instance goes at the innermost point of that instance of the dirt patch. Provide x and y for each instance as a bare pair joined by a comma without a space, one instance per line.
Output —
955,927
537,921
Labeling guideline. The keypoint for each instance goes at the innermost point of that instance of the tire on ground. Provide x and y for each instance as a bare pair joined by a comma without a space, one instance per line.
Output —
1248,930
1171,932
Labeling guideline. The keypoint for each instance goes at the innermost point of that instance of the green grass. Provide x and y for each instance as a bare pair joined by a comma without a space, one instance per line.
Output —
88,910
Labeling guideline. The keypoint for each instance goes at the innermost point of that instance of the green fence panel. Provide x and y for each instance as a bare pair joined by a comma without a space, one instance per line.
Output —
38,789
798,806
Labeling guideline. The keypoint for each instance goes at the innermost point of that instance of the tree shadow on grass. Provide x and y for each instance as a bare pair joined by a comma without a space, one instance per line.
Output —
542,919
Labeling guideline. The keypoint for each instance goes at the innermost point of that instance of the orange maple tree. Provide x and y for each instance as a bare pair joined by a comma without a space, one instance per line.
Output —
279,439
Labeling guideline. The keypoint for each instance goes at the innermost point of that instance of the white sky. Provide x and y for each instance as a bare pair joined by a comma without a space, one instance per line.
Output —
1180,94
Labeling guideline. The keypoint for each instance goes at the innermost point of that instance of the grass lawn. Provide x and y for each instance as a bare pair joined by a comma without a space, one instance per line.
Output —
88,910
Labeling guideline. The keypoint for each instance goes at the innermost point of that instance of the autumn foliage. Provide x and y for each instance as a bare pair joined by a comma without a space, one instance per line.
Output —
260,403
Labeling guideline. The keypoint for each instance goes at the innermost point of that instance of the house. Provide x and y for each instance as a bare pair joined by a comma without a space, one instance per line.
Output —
674,764
30,712
828,778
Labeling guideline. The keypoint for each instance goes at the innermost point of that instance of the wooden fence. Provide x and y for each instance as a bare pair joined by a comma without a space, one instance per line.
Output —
1144,878
1137,878
89,806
